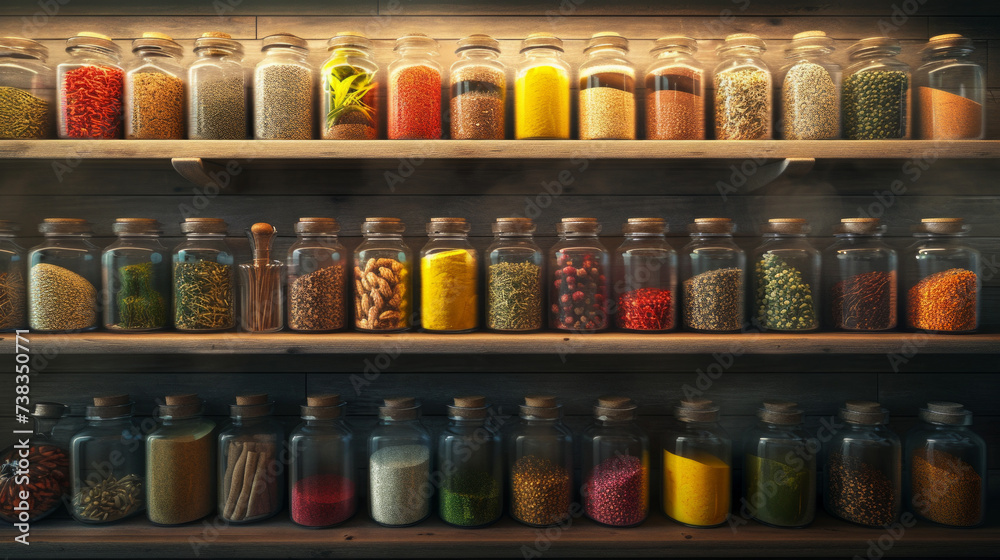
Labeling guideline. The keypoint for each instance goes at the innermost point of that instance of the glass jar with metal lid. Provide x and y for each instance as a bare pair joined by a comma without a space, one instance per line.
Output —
478,90
941,278
13,280
742,89
579,288
810,89
399,451
415,89
317,277
540,464
514,278
27,90
349,88
217,89
713,273
470,458
47,480
541,90
951,91
283,90
204,277
136,277
323,479
154,90
91,88
383,277
876,95
251,474
786,279
64,272
697,453
645,277
449,278
861,274
607,89
675,91
615,465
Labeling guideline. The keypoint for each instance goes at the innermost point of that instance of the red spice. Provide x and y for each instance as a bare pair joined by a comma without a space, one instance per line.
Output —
92,102
617,492
415,104
582,292
322,500
646,309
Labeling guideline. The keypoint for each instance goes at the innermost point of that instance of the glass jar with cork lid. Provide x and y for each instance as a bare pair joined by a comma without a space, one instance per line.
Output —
580,266
861,275
414,90
646,277
383,278
540,464
349,89
696,466
317,277
786,278
91,87
154,89
64,272
615,465
283,90
217,89
180,463
27,90
541,90
47,480
607,89
941,281
108,462
876,94
951,90
470,456
449,278
713,273
779,467
675,91
136,277
323,480
946,467
810,89
742,89
514,278
478,90
204,277
13,279
251,474
399,451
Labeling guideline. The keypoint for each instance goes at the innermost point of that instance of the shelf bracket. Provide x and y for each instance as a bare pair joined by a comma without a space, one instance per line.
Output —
211,176
792,168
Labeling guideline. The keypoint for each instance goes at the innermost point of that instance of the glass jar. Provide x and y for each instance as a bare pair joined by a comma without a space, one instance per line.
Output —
616,465
449,278
383,278
91,84
579,279
713,270
947,476
317,288
876,96
779,468
863,467
470,460
262,296
154,90
47,481
540,464
415,89
63,274
251,473
810,89
204,278
400,465
13,301
696,466
27,90
675,91
349,89
514,296
646,277
742,89
180,463
541,90
951,91
786,278
108,462
478,90
136,277
941,275
861,273
217,89
323,481
607,89
283,90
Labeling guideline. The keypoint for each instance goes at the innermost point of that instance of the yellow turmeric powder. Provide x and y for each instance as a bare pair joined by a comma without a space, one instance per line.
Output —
541,103
696,488
448,290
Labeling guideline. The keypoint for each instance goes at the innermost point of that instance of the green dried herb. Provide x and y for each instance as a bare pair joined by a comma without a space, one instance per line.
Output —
140,306
22,115
514,297
203,296
784,299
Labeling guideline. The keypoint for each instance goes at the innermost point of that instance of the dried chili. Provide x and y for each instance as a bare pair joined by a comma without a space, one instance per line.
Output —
415,103
92,102
646,309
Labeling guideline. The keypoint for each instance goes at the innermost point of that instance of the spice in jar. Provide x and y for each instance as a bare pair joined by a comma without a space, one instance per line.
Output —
540,491
181,463
784,299
60,299
675,106
859,492
779,492
617,492
109,499
646,309
944,301
470,498
349,89
140,304
250,485
696,489
607,89
220,111
541,90
448,290
12,299
92,102
156,106
322,500
316,300
514,296
380,298
415,90
46,481
865,302
283,90
875,104
478,90
947,116
742,104
399,476
946,489
203,296
713,300
810,103
581,293
23,116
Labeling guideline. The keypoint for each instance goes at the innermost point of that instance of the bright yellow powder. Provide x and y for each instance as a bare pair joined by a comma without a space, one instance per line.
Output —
695,490
541,103
448,290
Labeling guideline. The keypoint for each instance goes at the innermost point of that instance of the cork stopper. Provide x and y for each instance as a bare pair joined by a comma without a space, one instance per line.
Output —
788,226
180,406
354,39
323,400
478,41
864,412
113,400
251,406
156,35
284,41
383,225
712,225
648,226
323,407
741,40
943,226
93,35
468,408
49,410
780,412
605,39
540,406
317,226
541,41
948,413
204,225
697,410
154,42
578,226
860,226
674,43
874,44
523,226
614,408
136,226
216,35
217,42
448,225
65,226
416,40
114,406
947,41
399,408
809,34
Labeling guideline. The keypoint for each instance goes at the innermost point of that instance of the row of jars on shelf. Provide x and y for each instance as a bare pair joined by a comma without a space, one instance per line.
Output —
181,469
154,97
790,286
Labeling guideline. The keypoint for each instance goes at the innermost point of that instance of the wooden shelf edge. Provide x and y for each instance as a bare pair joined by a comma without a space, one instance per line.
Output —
906,344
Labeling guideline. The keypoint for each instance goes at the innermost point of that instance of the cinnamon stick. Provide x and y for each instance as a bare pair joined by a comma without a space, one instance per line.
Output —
259,499
234,480
251,467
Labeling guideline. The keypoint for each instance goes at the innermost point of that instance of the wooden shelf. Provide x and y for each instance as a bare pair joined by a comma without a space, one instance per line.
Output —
493,343
361,538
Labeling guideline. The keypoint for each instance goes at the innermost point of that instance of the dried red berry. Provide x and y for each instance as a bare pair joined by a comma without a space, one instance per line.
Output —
577,296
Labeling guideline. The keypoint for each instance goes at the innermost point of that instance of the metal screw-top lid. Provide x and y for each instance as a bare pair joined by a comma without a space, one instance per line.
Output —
741,41
651,226
94,40
864,412
353,39
152,42
614,408
947,42
284,41
65,226
478,41
861,226
399,408
217,40
950,413
49,410
514,225
19,47
204,225
606,39
468,408
448,225
674,43
383,225
791,226
251,406
9,227
114,406
416,41
136,225
712,225
780,412
541,41
810,41
874,45
943,226
697,410
327,226
540,406
579,226
181,406
323,407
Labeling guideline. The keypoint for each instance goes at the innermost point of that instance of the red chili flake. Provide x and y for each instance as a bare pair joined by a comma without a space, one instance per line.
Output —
92,102
646,309
415,104
322,500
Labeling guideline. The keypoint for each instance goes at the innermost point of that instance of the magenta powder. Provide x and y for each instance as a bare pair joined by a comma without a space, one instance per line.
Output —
617,492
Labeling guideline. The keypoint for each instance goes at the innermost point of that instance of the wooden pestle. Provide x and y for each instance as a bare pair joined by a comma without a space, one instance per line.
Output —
263,235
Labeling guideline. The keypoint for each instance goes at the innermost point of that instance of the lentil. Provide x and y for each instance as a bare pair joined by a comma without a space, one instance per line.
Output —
946,489
581,293
810,103
399,475
541,100
859,492
12,300
203,296
322,500
674,108
646,309
157,107
742,104
478,95
875,105
60,299
713,300
219,109
944,301
47,481
607,106
540,491
784,299
696,489
23,116
380,298
448,282
514,296
92,102
865,302
283,102
415,103
946,116
140,305
180,477
617,492
779,493
110,499
316,301
470,498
